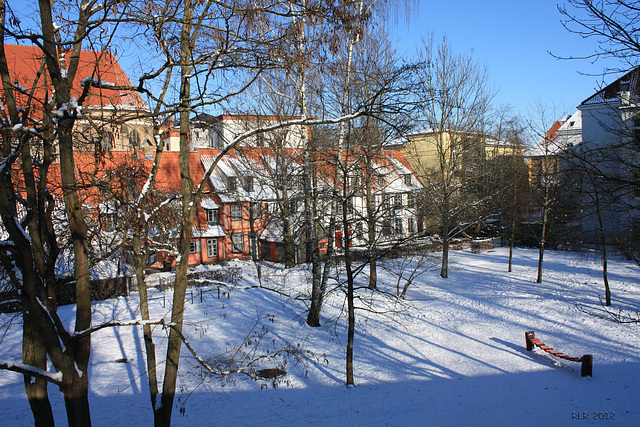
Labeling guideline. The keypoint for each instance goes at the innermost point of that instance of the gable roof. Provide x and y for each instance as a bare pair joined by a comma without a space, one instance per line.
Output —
25,65
628,82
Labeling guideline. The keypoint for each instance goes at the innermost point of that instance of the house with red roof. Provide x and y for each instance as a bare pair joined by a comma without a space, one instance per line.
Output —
241,210
113,116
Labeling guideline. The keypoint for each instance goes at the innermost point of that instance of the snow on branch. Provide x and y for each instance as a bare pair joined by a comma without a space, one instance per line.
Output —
96,82
55,378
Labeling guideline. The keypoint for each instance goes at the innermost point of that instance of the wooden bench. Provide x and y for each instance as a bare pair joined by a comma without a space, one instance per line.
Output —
586,360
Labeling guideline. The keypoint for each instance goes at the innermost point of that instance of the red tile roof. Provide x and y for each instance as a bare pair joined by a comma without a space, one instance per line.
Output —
25,62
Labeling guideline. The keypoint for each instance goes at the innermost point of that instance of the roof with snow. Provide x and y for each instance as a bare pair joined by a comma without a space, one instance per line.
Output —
628,82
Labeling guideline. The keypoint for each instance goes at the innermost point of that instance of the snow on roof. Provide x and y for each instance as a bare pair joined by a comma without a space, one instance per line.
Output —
208,203
398,166
565,133
628,82
211,231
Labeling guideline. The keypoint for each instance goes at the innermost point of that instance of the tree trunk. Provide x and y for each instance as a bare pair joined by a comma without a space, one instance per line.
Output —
371,228
444,270
34,354
76,401
603,244
543,238
150,349
514,211
350,297
163,414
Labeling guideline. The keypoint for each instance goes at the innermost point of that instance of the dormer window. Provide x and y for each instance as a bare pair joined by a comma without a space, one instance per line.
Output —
231,183
248,183
212,217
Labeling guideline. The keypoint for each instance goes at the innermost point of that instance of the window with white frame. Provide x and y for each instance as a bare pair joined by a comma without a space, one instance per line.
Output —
297,181
407,179
195,246
411,225
212,248
411,200
256,210
236,212
386,201
212,217
237,241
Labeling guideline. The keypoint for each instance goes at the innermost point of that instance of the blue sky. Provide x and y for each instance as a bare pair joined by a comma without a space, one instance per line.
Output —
512,39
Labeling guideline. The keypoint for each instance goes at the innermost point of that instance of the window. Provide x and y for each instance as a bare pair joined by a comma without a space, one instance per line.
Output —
386,199
212,216
411,200
237,240
109,221
297,181
293,205
411,225
236,212
407,179
381,180
107,141
248,183
386,227
231,183
256,210
212,248
359,229
151,259
339,209
355,183
397,201
398,227
636,129
195,246
134,139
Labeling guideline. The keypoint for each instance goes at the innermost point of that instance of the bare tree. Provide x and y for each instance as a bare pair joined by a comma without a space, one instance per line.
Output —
455,97
53,108
613,26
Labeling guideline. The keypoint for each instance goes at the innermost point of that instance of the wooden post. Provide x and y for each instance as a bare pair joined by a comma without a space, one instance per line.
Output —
587,365
528,336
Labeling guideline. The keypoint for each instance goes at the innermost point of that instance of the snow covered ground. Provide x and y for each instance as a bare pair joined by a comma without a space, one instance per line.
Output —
451,353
